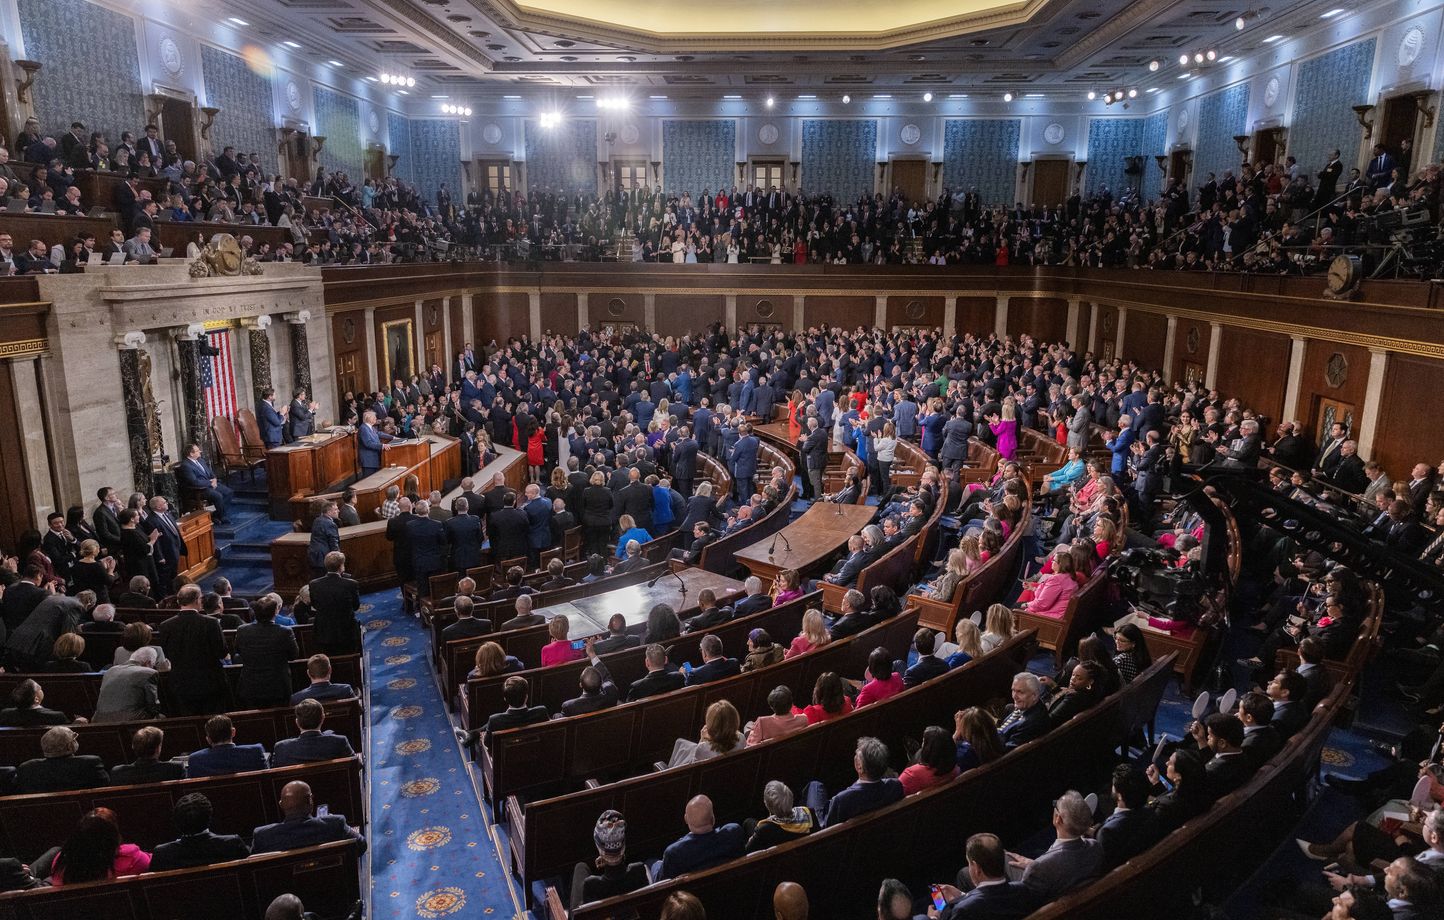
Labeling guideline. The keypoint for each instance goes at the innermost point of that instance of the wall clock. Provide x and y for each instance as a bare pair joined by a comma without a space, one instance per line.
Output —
491,134
910,134
1053,134
767,134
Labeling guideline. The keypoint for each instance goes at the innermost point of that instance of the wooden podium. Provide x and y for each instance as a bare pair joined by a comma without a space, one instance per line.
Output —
316,463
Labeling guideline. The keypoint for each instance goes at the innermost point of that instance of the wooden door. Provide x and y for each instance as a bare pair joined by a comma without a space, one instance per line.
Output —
17,505
766,175
178,123
1329,411
1050,182
1401,115
629,174
910,179
1178,166
496,176
376,162
296,157
1265,147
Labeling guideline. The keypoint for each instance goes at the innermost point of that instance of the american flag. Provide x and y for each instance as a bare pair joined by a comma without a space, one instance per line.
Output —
217,377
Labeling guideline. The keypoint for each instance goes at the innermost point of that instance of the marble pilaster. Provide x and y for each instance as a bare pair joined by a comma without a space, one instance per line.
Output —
259,340
193,400
300,351
132,391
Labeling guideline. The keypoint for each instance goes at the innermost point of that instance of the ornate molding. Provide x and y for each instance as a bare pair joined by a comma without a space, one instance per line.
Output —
129,340
24,348
190,332
300,316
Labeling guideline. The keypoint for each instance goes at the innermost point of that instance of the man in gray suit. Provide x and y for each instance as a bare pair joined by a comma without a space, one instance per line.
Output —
130,691
1080,425
301,420
311,744
955,441
1072,859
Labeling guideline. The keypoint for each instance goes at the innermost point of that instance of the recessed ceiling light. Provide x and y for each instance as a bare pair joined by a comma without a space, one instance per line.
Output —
656,97
584,97
846,98
1033,96
771,102
807,96
335,63
731,97
290,44
1273,38
1154,64
236,21
1092,94
957,95
1132,93
1007,97
1331,13
434,96
511,97
927,97
882,95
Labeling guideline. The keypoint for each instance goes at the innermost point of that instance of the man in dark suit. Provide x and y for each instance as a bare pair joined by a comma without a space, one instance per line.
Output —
598,690
197,844
312,744
742,462
684,461
1027,718
301,417
265,650
715,664
873,789
954,450
224,756
507,528
1128,831
335,598
658,679
990,895
398,534
61,768
466,625
325,538
710,614
854,618
1260,741
1380,169
635,499
298,827
813,446
195,473
1228,768
516,692
195,647
147,766
538,512
137,595
170,548
318,669
756,600
846,571
107,525
23,597
1287,690
1328,186
59,545
617,637
426,540
269,419
31,644
368,444
928,665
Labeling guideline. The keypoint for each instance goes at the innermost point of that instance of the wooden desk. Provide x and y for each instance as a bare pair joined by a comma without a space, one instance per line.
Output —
53,228
200,543
177,234
814,537
589,615
317,463
96,188
368,558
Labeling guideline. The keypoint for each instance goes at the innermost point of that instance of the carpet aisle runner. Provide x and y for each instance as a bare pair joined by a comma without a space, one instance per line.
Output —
433,852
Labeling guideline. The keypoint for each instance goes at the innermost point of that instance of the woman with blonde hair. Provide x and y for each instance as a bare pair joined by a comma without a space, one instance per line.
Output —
814,635
969,643
954,574
999,625
492,661
972,549
721,734
560,649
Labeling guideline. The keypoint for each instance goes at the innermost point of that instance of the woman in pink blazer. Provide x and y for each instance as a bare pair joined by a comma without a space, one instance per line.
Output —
1051,595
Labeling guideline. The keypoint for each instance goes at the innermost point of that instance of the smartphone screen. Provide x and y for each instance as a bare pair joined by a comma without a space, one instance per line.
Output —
938,900
687,667
579,644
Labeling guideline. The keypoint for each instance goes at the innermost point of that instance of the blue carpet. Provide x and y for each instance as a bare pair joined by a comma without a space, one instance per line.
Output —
433,851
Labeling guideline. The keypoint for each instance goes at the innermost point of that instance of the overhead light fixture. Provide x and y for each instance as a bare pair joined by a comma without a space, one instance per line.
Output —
957,95
846,98
1183,60
927,97
1246,19
1273,38
881,95
290,44
511,97
1092,95
550,120
402,92
611,102
1225,59
236,21
807,96
462,110
1332,13
440,96
1151,89
1133,93
656,97
1154,64
1007,97
731,97
1033,96
771,102
370,79
335,63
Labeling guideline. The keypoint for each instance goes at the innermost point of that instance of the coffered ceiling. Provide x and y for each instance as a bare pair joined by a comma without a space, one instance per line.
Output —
481,49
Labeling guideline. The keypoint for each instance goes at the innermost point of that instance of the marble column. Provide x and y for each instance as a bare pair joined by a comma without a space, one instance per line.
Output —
1215,339
584,318
468,324
372,362
300,351
1074,306
419,340
193,399
1373,400
1295,378
1118,332
260,342
879,312
950,316
649,313
1168,343
730,319
1000,317
448,356
132,390
1092,328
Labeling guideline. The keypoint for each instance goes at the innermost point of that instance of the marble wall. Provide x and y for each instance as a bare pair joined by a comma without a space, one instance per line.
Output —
436,156
698,155
1110,141
245,121
839,157
982,153
1326,88
92,67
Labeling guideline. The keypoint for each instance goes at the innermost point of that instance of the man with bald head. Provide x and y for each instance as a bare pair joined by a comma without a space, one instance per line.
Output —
789,902
705,844
299,827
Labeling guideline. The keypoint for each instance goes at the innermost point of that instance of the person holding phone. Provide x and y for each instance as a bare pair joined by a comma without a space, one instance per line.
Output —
990,894
561,649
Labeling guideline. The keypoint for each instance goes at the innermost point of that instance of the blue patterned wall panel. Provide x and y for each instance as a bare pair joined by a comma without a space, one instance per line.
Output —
1221,115
1109,141
838,157
244,98
436,152
398,144
698,155
1323,121
563,158
1155,141
338,119
982,153
92,69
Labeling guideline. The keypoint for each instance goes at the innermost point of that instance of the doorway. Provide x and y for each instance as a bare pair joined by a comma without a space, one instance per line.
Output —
1178,162
1050,183
376,162
766,175
910,180
1401,117
1266,147
1329,411
178,123
629,174
296,157
495,176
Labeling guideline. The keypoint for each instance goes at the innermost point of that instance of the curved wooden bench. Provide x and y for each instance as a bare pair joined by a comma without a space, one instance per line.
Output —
985,586
894,568
1062,635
